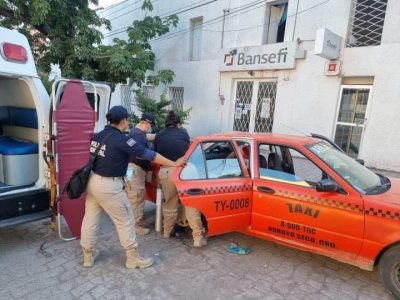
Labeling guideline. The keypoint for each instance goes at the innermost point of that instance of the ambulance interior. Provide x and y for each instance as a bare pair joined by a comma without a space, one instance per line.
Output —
19,151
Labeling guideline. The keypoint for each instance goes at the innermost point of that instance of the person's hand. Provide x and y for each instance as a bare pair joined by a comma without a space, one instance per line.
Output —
181,162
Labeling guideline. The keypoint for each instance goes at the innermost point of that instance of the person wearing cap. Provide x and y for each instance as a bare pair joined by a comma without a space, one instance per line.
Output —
136,187
106,189
173,142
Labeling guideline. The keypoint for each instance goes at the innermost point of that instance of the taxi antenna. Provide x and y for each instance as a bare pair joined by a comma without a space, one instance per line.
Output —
293,129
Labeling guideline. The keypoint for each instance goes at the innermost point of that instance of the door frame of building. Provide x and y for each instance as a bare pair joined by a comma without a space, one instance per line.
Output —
253,112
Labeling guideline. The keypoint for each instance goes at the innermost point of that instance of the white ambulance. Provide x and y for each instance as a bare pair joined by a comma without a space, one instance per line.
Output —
42,139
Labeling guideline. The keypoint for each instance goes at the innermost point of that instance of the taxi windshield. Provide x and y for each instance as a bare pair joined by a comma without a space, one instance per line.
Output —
358,176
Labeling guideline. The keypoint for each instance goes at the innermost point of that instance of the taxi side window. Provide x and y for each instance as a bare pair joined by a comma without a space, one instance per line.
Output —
283,164
195,168
212,160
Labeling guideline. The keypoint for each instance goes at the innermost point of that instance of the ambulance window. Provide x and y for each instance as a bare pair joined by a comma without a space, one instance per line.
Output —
283,164
91,101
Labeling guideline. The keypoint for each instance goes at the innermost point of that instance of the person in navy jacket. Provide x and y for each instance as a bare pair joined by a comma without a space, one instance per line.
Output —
106,188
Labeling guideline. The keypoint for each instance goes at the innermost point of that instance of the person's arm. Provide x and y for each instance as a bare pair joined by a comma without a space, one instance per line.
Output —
150,136
233,153
161,160
132,148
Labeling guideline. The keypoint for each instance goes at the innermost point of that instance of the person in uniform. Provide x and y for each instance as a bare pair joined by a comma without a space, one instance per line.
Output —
173,142
106,189
136,187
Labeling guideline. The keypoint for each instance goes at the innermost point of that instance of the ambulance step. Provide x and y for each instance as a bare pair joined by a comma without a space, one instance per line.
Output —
25,219
23,203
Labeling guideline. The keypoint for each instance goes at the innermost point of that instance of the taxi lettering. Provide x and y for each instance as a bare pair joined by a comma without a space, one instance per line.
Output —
307,210
222,205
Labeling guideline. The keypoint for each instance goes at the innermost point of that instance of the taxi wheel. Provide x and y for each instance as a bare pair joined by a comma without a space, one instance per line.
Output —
389,270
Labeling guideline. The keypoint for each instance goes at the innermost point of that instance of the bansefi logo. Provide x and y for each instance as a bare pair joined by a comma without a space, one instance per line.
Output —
228,58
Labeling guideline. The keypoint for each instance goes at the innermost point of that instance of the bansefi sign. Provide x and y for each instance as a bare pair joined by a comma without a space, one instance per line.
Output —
327,44
264,57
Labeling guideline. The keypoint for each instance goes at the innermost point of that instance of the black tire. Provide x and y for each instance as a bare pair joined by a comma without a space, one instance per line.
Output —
389,270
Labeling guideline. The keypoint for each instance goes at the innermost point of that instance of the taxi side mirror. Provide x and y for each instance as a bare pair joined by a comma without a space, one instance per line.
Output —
360,161
327,185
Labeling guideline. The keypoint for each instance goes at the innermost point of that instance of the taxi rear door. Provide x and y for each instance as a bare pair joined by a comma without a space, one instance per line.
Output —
216,182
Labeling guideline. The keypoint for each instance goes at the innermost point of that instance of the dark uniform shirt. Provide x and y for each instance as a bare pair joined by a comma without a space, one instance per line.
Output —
140,137
113,158
172,142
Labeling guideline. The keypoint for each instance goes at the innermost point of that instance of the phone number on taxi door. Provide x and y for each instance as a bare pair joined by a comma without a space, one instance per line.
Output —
298,227
222,205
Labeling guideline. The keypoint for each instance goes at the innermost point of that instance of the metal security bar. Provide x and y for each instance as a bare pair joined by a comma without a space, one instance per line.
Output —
127,97
367,18
149,91
244,93
176,95
265,106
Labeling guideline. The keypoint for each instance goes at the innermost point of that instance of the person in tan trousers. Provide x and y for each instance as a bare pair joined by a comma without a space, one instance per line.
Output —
106,189
174,142
136,187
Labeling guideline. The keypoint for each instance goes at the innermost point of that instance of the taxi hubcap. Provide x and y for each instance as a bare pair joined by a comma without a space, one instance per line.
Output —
396,275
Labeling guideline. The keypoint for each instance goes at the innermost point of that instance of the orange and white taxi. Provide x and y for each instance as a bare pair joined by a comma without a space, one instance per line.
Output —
297,191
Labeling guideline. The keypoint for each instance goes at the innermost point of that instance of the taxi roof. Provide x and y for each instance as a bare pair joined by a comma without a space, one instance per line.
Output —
270,137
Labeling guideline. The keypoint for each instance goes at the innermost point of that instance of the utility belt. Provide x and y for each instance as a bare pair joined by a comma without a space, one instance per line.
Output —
111,178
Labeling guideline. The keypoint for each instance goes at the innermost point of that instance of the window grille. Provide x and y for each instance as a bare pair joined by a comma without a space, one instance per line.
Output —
367,18
127,97
265,106
149,91
176,94
244,93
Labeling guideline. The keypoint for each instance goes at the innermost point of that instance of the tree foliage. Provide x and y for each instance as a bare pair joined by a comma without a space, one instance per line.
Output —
158,108
65,32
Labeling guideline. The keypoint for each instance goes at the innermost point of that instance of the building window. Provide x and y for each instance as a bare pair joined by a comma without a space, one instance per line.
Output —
276,14
366,22
127,97
149,91
176,96
196,36
351,119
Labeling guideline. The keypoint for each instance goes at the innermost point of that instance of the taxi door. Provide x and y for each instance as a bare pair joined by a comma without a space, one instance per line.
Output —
216,182
287,206
78,112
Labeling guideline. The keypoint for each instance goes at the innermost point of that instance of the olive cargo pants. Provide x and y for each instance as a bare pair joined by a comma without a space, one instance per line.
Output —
136,190
170,207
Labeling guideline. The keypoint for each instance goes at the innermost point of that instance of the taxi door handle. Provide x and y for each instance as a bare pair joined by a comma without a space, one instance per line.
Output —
195,192
265,190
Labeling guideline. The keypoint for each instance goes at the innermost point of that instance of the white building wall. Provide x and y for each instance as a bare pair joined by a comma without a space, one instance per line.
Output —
307,101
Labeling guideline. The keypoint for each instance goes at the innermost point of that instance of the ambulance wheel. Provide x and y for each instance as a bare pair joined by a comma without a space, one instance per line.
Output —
389,270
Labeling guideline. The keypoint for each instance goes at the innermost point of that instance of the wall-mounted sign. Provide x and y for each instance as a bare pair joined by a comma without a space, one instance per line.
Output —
332,67
265,108
238,113
265,57
327,44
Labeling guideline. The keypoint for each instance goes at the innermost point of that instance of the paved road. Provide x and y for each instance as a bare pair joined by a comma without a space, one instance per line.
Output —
270,271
